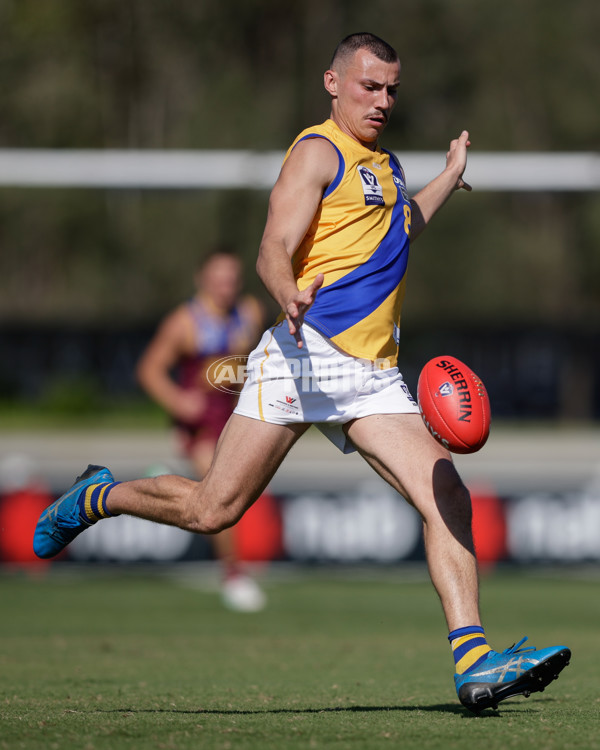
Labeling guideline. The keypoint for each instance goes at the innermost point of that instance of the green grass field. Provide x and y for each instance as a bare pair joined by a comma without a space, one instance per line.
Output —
125,660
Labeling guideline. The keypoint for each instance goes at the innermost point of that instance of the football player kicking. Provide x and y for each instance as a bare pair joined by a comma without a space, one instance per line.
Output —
334,255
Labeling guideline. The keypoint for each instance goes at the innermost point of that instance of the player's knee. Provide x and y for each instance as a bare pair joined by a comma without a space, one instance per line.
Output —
212,519
214,523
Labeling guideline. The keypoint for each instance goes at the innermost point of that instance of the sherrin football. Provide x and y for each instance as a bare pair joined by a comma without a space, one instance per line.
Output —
454,404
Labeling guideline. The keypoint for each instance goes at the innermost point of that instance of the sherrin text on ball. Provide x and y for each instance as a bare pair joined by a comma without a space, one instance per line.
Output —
454,404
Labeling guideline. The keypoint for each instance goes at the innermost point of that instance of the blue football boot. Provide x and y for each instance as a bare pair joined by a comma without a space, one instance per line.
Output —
61,522
516,671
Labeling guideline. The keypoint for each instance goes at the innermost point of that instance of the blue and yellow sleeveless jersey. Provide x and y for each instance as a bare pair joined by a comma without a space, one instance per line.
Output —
359,241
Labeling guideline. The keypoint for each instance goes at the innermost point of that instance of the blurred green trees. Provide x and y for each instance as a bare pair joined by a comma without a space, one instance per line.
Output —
247,74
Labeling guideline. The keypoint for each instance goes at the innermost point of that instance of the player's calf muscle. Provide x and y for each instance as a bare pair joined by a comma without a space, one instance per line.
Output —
162,499
178,501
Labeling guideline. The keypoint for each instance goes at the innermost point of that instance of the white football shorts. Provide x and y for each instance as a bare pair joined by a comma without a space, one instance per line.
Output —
318,384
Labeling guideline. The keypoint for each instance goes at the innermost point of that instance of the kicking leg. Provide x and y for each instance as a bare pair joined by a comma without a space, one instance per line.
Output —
247,456
240,592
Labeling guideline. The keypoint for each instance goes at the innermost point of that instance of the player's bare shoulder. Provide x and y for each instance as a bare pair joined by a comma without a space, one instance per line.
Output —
314,159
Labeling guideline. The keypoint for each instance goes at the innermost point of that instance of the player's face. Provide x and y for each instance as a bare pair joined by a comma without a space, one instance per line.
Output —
221,281
364,93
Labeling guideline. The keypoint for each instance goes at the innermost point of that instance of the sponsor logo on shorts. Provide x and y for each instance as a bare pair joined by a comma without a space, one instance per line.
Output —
286,406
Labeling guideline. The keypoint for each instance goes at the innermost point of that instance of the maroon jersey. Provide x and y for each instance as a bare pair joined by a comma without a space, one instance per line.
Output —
216,336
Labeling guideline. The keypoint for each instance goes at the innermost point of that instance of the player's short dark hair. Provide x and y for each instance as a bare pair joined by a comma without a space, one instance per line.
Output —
364,40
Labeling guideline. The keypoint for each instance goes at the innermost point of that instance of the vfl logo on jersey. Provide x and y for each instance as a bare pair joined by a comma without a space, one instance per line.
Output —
371,187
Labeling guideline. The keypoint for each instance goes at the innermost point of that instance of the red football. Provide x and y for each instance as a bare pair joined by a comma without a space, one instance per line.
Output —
454,404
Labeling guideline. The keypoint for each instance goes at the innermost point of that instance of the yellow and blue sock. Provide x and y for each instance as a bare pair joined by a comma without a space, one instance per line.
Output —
92,502
469,647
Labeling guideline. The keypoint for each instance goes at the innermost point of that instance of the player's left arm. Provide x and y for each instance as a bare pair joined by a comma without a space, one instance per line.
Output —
428,201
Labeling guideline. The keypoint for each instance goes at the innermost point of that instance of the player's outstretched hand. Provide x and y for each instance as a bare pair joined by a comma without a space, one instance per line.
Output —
298,306
456,158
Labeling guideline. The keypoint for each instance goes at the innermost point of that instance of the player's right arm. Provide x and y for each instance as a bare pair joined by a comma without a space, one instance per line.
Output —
171,341
294,201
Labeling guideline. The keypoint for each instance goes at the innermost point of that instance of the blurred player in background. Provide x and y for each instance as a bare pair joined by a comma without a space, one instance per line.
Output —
334,256
173,370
